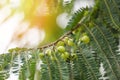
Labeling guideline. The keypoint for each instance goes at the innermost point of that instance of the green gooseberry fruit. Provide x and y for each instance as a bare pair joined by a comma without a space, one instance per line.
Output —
61,48
66,39
60,43
85,39
52,58
48,52
65,55
41,55
70,42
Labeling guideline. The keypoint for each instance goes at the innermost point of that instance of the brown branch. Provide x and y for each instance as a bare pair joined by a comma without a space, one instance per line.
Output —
62,37
53,43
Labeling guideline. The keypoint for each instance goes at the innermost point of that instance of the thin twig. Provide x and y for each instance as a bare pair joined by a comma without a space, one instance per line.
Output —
62,37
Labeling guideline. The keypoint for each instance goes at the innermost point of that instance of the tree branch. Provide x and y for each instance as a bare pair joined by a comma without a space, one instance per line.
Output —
62,37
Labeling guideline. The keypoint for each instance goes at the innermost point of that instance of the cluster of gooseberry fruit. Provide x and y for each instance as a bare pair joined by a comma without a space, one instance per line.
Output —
47,53
66,55
60,47
61,50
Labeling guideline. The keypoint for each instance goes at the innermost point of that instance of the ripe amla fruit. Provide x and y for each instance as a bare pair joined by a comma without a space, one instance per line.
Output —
48,52
65,55
66,39
70,42
53,58
61,48
85,39
60,43
41,55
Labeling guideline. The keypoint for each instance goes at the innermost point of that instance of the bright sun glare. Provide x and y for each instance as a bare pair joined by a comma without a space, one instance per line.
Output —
20,18
16,17
13,25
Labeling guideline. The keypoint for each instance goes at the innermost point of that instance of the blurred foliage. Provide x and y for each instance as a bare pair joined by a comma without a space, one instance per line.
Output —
43,13
52,29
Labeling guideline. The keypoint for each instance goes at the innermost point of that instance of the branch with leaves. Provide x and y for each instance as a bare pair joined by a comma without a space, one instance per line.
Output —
91,38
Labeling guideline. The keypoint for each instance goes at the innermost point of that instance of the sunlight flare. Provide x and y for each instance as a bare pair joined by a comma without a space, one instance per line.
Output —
15,3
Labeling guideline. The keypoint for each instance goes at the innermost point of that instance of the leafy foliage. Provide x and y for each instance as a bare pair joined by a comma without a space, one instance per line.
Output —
89,41
77,17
